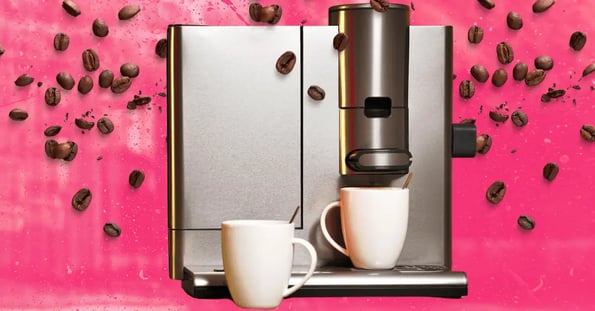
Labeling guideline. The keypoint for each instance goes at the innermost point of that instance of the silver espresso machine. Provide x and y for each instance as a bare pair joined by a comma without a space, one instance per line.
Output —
246,142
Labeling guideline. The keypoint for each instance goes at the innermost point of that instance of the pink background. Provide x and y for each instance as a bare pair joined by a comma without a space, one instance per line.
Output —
53,257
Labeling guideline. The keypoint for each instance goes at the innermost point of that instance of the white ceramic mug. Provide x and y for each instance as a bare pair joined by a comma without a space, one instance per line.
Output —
257,260
374,225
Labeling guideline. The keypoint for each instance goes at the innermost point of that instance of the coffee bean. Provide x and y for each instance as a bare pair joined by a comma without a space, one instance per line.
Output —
468,121
106,77
496,192
499,77
105,125
24,80
555,93
17,114
84,124
59,150
138,101
550,171
519,72
514,21
136,178
128,12
2,50
498,116
483,143
340,41
85,84
50,146
100,28
475,34
577,40
480,73
121,84
65,80
488,4
90,60
61,41
285,62
82,199
526,222
71,8
161,48
254,11
52,96
544,62
534,77
52,130
316,92
379,5
519,118
129,70
268,14
589,69
504,53
73,151
541,6
112,230
466,89
588,132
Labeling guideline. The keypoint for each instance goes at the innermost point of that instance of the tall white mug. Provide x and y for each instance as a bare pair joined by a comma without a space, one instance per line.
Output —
257,260
374,225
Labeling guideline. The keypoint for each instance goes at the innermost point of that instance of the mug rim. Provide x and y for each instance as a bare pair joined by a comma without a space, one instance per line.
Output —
374,189
248,222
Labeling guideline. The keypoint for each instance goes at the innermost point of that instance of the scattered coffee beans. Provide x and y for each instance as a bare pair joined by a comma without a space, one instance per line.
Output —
24,80
526,222
540,6
550,171
519,72
106,77
83,124
128,12
514,21
496,192
61,42
18,114
340,41
498,116
105,125
475,34
138,101
534,77
65,80
544,62
504,53
589,69
268,14
112,230
379,5
285,62
588,132
90,60
577,40
316,92
499,77
519,118
82,199
488,4
129,70
136,178
52,130
85,84
466,89
121,84
161,48
480,73
52,96
100,28
483,143
71,8
66,151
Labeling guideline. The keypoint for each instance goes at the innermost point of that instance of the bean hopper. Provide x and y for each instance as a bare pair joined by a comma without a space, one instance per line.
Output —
247,142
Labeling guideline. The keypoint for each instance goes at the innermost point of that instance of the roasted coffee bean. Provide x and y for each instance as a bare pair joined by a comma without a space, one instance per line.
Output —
138,101
544,62
496,192
105,125
488,4
90,60
466,89
52,96
483,143
59,151
519,72
550,171
61,41
589,69
121,84
100,28
540,6
73,151
498,116
504,53
588,132
499,77
106,77
71,8
2,50
475,34
136,178
526,222
534,77
480,73
514,21
128,12
555,93
266,14
82,199
340,41
65,80
85,84
519,118
52,130
84,124
316,92
379,5
577,40
129,70
50,145
468,121
24,80
285,62
161,48
112,230
18,114
254,11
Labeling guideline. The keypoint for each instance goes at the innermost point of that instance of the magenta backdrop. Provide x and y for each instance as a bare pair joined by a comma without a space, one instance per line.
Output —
53,257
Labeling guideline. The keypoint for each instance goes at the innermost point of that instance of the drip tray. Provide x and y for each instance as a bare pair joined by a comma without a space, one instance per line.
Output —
436,281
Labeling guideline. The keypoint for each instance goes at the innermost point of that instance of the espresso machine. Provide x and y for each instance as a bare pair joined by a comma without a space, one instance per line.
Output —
246,142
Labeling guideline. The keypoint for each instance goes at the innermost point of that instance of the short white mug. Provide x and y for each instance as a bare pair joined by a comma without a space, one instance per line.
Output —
374,225
257,260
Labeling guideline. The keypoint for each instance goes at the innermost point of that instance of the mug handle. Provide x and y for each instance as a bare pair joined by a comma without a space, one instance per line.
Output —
313,260
325,231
